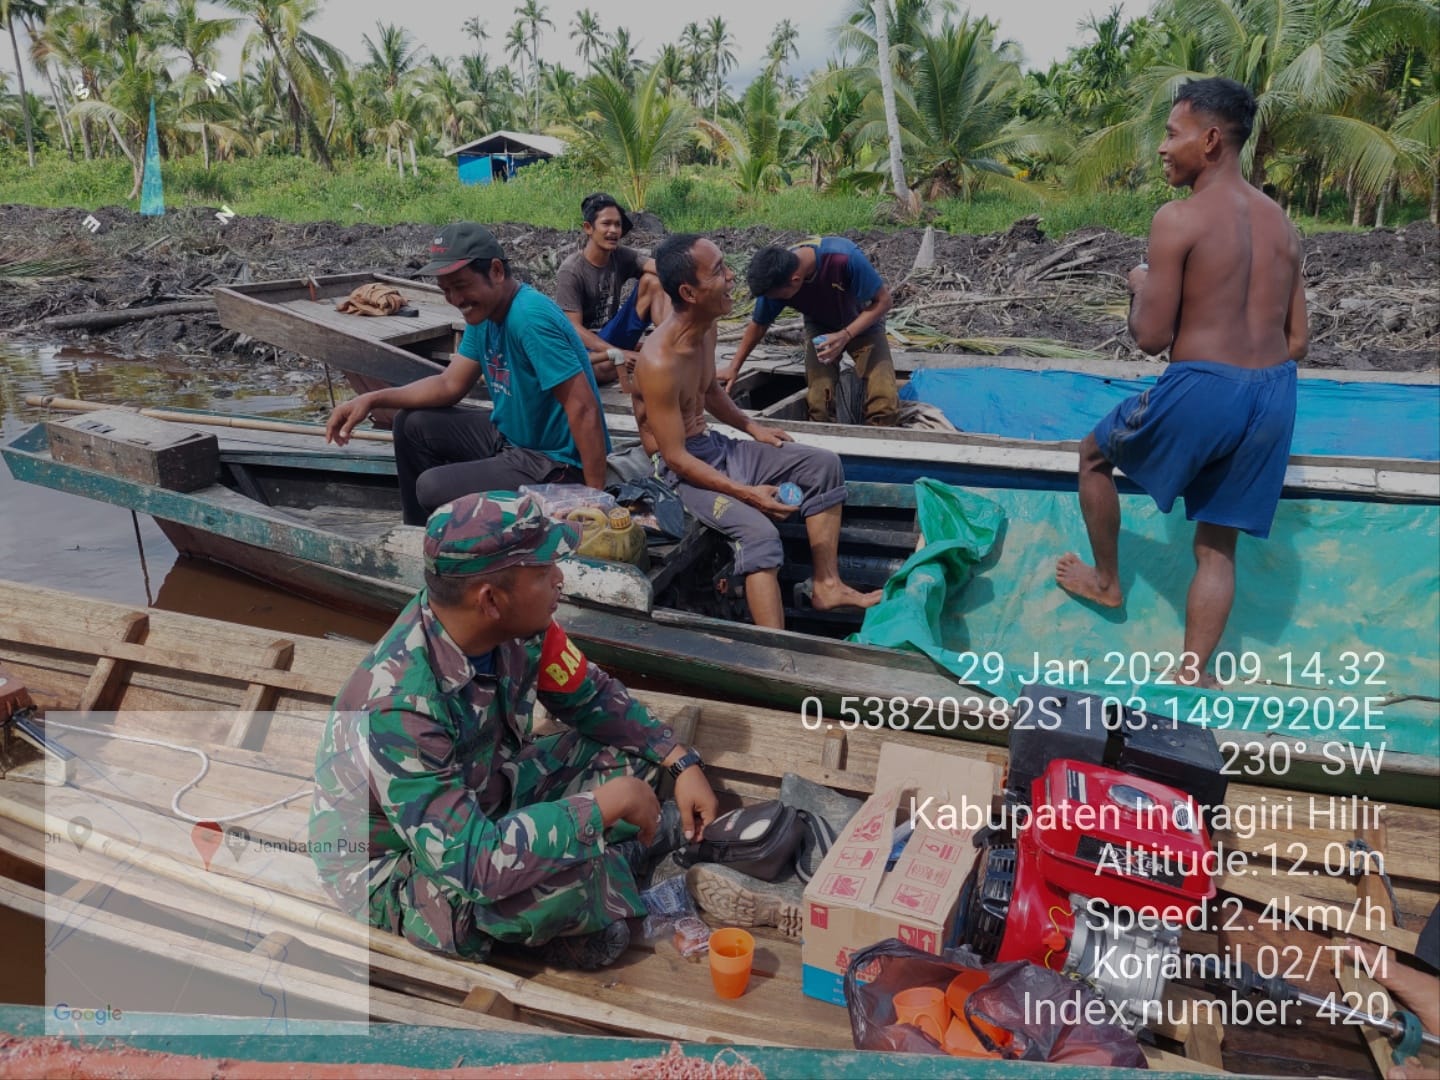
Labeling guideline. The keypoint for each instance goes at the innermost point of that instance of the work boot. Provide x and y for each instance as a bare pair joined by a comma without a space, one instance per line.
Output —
670,836
738,899
828,812
587,952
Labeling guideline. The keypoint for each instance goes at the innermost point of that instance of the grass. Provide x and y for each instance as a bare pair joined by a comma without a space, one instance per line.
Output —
700,199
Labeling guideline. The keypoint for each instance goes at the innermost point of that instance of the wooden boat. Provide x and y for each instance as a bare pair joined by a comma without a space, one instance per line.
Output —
299,315
321,522
254,702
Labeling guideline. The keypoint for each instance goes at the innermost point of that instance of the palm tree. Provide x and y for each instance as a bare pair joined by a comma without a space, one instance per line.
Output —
762,143
301,60
586,27
887,98
670,62
828,125
1303,59
562,94
532,16
124,107
629,134
517,46
1420,124
71,40
619,61
473,27
783,45
692,45
718,50
10,11
393,57
450,102
198,40
958,114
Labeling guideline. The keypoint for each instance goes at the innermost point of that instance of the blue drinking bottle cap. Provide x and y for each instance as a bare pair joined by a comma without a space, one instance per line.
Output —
790,494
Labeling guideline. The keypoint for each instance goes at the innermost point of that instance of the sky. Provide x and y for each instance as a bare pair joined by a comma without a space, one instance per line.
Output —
1043,28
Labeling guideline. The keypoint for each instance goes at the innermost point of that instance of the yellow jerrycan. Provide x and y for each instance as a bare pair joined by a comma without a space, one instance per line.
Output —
613,536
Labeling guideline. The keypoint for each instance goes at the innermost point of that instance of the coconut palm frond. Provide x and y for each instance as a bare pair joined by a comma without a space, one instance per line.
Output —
37,271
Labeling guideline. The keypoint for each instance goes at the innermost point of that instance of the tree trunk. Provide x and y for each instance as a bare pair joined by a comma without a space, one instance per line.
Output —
24,100
205,145
414,169
881,8
1435,194
1263,148
1380,207
60,112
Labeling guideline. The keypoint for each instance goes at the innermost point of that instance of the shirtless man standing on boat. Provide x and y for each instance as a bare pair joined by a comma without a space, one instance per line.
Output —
730,484
1224,293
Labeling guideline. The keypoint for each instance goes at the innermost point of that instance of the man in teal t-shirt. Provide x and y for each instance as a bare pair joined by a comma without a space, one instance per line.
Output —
545,426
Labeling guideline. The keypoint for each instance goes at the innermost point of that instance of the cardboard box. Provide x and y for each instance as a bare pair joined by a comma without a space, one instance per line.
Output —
852,901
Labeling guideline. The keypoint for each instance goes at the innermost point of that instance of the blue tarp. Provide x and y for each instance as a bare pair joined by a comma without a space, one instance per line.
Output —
1333,634
1350,419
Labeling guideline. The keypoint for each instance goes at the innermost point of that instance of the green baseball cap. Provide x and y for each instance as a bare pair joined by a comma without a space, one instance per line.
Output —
458,244
492,530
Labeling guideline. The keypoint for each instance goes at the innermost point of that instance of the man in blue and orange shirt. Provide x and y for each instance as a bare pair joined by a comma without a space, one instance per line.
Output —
844,302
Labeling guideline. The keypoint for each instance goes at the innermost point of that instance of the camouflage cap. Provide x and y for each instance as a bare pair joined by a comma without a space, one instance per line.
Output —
492,530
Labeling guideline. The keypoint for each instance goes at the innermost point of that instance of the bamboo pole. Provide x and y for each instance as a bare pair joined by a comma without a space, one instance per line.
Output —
64,404
516,989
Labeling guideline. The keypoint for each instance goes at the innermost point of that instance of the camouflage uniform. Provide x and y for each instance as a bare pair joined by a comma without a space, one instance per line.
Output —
436,813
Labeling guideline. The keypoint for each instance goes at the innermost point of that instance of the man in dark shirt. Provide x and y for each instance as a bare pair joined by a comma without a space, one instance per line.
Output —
844,302
590,283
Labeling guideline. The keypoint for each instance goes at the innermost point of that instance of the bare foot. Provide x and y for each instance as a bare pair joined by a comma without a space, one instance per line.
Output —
826,596
1079,579
1204,680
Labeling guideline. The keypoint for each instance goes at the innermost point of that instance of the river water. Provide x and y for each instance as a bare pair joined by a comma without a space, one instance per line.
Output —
67,542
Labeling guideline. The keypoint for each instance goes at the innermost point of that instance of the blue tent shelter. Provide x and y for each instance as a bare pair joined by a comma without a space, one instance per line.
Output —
498,156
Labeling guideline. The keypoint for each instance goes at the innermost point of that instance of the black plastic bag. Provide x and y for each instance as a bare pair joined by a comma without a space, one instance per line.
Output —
661,498
1022,999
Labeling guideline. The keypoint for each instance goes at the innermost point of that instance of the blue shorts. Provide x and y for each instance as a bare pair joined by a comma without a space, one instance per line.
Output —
1216,433
625,326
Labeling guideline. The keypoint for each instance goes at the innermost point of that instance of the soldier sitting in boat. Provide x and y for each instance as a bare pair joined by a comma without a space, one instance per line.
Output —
437,814
545,425
729,484
589,284
844,301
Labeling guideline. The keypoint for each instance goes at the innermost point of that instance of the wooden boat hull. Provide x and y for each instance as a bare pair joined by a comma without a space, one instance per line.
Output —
197,682
784,668
299,317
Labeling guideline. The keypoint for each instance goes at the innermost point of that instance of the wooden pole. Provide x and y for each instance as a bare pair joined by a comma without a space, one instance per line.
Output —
64,404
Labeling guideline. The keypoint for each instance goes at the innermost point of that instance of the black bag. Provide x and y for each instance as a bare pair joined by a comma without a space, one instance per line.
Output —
759,840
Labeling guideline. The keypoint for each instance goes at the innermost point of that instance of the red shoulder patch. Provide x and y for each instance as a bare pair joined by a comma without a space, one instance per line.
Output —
563,666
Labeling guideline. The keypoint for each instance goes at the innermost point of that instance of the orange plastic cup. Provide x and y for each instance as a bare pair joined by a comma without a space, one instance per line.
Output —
732,952
956,994
925,1008
960,1040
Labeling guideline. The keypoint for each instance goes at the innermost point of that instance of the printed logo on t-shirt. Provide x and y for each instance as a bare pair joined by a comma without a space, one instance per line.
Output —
497,375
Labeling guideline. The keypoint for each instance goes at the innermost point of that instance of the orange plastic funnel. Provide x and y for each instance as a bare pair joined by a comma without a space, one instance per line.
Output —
732,952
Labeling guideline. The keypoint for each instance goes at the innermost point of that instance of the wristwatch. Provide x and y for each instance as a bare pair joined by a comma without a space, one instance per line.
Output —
690,757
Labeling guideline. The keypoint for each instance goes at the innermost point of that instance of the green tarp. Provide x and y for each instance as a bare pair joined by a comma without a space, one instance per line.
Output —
1335,632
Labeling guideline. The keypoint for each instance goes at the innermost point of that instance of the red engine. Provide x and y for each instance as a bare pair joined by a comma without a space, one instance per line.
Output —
1092,840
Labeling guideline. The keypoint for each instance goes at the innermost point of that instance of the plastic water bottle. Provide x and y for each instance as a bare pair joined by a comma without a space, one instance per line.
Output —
790,494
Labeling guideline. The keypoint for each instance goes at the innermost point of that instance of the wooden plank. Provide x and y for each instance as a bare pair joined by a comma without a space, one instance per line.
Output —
99,692
260,696
142,654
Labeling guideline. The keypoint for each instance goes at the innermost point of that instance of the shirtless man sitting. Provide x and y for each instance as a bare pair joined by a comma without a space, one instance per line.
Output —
729,484
1223,291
